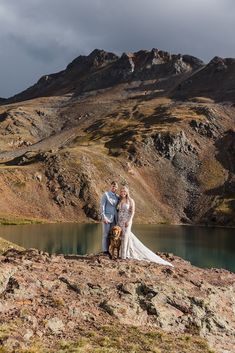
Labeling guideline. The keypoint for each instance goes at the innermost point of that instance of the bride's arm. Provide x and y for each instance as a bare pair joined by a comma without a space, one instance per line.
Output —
132,212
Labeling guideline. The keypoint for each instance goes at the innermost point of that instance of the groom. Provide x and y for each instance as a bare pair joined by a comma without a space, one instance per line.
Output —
109,203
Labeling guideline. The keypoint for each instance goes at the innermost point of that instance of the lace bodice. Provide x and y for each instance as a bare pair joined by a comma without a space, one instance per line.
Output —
125,213
124,207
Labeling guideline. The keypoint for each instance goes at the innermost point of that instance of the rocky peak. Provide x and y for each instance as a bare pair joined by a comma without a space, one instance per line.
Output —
217,64
144,59
160,56
193,61
95,59
126,62
102,56
220,64
158,61
150,59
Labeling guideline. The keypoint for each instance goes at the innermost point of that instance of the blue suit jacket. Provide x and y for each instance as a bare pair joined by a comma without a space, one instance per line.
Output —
109,203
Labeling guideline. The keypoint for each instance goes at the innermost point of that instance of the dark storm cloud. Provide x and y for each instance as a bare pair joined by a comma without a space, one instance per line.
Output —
42,36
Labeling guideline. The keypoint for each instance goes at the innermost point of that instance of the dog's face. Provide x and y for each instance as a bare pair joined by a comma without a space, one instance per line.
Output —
116,232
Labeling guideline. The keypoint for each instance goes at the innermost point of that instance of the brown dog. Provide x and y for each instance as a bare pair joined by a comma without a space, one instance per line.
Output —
115,239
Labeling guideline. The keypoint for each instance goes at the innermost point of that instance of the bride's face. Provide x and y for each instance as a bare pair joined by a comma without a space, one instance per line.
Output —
123,193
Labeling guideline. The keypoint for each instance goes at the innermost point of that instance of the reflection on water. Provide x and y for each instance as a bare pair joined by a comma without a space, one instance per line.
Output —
204,247
65,238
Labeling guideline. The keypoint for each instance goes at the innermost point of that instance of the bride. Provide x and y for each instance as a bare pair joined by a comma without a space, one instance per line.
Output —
131,247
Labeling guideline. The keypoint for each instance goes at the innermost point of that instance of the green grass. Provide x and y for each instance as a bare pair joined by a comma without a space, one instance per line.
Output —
4,246
227,206
5,220
121,339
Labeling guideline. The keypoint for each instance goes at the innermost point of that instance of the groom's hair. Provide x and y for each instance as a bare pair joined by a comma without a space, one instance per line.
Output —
114,183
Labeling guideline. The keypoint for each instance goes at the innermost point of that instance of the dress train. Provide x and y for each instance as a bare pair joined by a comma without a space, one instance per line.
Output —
132,247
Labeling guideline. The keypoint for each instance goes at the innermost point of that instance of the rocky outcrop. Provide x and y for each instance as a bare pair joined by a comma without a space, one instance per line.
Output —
47,298
96,59
204,129
66,188
168,144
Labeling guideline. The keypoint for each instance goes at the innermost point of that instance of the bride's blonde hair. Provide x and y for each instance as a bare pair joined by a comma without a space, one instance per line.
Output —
128,199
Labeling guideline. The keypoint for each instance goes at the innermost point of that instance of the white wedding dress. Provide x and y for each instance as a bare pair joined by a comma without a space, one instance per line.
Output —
131,247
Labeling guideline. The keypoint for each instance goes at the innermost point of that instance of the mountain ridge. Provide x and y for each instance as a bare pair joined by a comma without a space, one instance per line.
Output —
134,62
152,119
126,66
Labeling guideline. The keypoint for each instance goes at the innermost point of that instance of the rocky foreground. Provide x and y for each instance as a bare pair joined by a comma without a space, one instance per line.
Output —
71,303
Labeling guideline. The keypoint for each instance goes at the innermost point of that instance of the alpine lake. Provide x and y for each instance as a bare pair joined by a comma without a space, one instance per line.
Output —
208,247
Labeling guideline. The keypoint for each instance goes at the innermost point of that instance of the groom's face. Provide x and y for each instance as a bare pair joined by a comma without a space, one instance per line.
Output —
114,188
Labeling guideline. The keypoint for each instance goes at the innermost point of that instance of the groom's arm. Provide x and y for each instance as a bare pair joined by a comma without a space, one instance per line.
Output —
102,208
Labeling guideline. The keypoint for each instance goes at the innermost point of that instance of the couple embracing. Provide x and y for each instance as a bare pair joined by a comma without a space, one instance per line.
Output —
119,210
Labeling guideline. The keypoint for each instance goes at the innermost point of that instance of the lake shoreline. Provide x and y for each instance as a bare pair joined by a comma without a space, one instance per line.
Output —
37,221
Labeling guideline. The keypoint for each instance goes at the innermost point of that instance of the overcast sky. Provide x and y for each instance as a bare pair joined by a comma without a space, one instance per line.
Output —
43,36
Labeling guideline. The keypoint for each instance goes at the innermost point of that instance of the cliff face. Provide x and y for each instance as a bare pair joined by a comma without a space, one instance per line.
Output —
144,119
57,303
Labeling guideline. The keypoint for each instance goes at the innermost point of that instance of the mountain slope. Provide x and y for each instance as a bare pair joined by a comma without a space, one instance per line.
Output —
107,117
215,80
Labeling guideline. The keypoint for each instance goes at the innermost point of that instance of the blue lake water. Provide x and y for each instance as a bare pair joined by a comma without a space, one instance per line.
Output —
203,246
